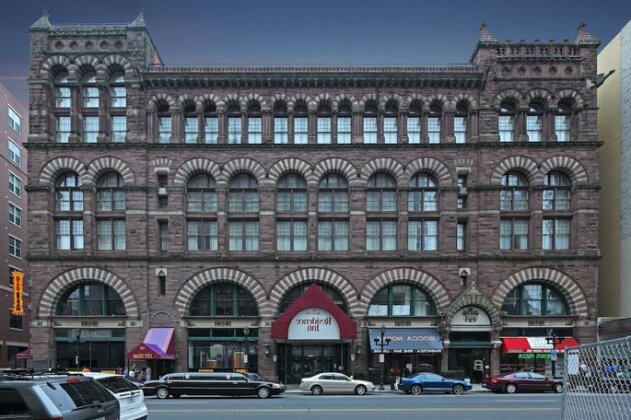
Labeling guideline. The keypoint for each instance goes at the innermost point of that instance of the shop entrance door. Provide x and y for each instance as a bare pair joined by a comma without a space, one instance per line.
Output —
297,361
471,361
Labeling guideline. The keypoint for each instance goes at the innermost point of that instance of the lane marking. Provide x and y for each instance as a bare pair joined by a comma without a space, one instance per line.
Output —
330,410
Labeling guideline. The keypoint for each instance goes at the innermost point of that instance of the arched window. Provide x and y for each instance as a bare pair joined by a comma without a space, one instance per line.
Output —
390,123
506,122
333,205
68,199
535,299
118,91
414,122
234,124
244,196
291,195
514,192
301,124
423,195
223,299
201,197
68,193
191,123
164,122
211,123
434,123
382,193
534,122
200,194
281,123
291,198
62,91
110,195
255,125
344,115
460,122
293,294
91,124
333,194
402,300
90,299
557,191
562,121
370,123
90,91
323,125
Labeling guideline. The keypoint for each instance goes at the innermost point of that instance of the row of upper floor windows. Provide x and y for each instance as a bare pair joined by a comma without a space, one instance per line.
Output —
296,130
333,193
234,126
292,235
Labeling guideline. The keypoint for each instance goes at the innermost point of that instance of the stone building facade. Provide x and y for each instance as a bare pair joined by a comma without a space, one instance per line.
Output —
456,204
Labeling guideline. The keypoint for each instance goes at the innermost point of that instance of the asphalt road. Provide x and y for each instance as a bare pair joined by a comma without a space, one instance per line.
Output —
482,405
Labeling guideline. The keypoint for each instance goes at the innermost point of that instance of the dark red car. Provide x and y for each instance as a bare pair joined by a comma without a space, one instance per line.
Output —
522,382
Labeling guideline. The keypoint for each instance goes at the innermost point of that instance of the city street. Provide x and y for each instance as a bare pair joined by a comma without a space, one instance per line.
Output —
388,405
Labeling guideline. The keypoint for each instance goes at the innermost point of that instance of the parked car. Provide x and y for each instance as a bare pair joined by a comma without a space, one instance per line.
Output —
216,383
432,382
522,382
335,383
59,396
129,395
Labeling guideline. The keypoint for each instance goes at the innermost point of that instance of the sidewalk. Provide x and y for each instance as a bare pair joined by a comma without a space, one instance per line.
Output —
293,389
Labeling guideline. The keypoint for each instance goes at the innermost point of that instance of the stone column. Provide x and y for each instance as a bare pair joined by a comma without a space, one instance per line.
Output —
357,129
177,126
520,124
267,119
473,127
402,123
447,127
222,219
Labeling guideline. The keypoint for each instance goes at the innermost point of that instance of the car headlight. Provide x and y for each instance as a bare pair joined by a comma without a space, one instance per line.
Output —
277,385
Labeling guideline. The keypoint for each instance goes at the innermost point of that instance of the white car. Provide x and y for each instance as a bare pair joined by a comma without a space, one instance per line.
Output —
130,397
335,383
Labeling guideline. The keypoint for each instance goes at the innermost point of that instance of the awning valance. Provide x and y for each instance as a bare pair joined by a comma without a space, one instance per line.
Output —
159,343
26,354
535,344
407,340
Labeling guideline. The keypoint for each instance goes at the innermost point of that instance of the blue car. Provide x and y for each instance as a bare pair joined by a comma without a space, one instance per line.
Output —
431,382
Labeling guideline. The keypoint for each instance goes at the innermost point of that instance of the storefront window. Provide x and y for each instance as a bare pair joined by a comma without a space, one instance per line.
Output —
223,299
535,299
402,300
90,299
222,348
291,296
100,348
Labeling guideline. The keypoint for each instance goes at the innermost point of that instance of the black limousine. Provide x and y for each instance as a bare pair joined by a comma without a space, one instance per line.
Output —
216,383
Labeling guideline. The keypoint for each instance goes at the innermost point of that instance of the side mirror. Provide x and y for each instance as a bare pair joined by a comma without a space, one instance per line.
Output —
351,378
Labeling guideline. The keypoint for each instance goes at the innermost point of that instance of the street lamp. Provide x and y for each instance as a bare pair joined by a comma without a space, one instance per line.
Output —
382,358
77,334
246,332
554,339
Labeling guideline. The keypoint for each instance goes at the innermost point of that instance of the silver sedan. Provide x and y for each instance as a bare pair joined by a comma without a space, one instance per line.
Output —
335,383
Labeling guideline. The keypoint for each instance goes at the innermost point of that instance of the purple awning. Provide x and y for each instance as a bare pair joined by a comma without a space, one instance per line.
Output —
159,343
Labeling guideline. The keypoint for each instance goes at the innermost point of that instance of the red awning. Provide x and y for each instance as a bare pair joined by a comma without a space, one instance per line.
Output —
26,354
535,344
314,297
159,343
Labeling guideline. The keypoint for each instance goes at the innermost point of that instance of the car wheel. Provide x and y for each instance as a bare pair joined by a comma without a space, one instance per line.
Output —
458,389
316,390
162,393
558,388
416,389
510,388
263,392
360,390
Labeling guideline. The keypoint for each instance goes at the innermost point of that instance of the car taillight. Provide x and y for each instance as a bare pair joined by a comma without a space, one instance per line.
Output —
73,380
493,380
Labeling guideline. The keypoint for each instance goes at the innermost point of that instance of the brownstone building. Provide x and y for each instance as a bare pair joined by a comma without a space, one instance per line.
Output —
14,329
181,214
